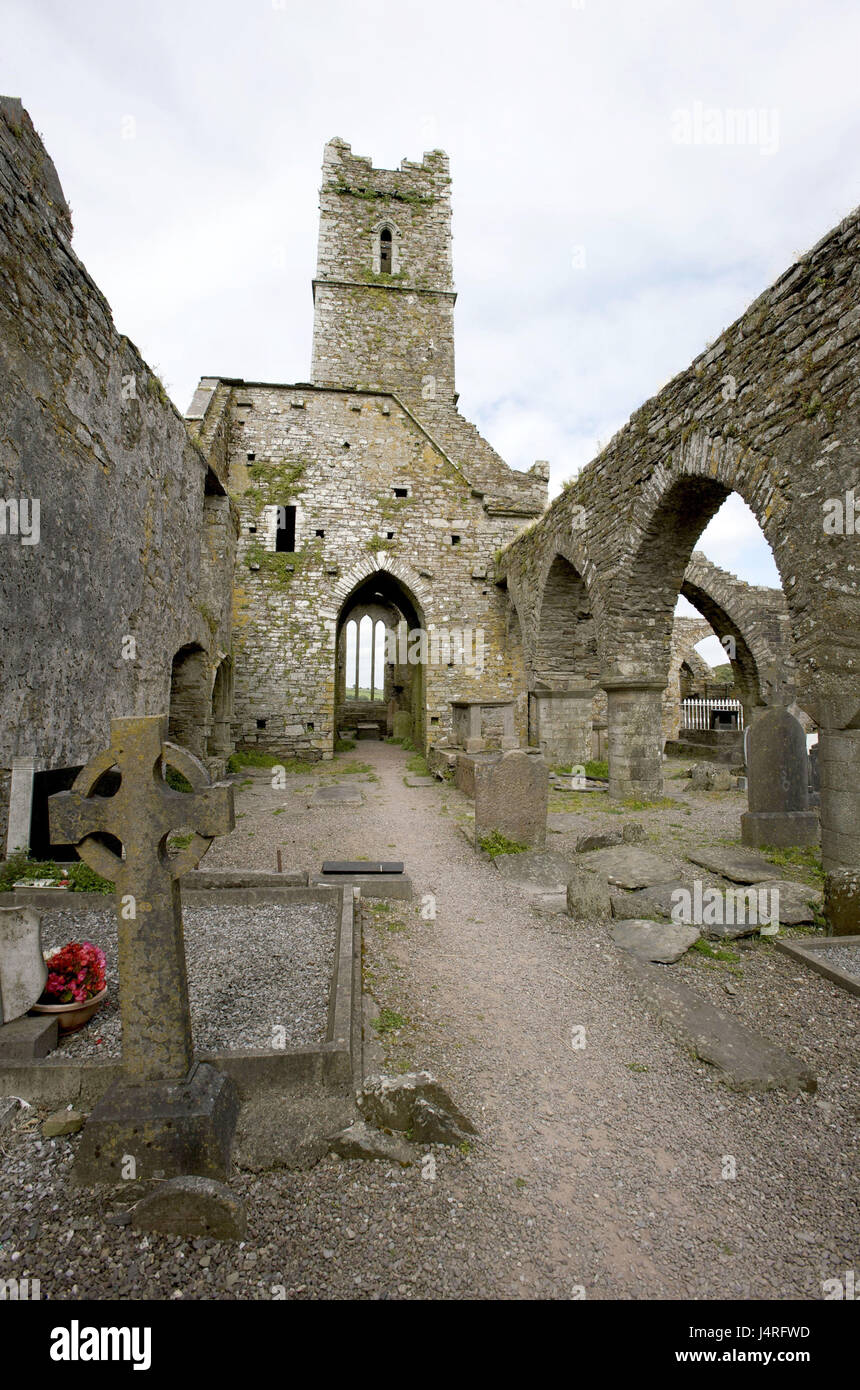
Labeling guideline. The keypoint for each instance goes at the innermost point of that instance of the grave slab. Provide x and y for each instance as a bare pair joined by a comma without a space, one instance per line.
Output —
797,901
536,872
661,942
397,886
627,866
340,794
744,1060
733,864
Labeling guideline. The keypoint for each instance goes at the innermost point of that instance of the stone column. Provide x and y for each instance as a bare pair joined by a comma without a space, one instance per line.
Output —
839,762
838,719
635,729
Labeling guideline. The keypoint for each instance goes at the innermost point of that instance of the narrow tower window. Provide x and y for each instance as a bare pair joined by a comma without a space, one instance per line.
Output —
285,536
385,251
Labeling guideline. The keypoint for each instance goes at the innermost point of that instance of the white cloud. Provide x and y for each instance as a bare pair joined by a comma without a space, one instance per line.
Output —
558,120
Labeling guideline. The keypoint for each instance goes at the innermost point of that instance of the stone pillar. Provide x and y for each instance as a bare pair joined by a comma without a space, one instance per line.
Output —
635,728
839,763
837,715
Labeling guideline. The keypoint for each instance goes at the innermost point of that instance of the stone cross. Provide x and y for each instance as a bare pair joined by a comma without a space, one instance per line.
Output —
156,1020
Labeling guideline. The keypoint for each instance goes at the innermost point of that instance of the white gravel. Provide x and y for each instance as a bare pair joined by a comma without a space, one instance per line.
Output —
845,958
250,970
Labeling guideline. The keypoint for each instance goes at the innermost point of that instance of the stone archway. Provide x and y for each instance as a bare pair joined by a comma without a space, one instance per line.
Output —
564,669
190,704
383,609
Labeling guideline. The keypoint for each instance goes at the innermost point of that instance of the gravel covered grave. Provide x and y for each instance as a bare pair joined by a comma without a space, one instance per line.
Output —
250,970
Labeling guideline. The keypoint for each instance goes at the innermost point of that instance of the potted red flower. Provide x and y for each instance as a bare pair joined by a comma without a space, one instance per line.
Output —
76,985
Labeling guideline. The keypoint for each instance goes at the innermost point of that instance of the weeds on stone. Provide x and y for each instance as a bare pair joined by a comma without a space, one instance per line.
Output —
497,844
807,858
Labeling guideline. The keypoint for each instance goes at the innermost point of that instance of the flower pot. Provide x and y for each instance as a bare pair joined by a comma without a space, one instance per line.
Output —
71,1017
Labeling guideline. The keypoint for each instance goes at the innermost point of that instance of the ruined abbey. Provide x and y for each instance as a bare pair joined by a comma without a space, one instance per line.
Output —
266,569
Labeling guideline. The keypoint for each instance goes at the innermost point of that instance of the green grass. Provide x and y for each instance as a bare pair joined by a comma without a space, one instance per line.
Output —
251,757
176,780
388,1022
418,764
497,844
705,948
807,858
82,879
344,745
353,767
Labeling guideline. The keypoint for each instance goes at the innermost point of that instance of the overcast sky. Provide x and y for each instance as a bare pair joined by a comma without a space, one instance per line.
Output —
595,253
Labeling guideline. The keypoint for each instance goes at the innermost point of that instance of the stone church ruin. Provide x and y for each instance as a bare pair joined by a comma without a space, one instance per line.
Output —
255,571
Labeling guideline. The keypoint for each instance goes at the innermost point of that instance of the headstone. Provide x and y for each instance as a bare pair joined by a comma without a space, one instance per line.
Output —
22,966
778,773
167,1114
339,794
511,798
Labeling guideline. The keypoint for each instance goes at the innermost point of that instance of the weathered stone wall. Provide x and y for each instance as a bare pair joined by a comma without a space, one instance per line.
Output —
88,432
338,456
771,411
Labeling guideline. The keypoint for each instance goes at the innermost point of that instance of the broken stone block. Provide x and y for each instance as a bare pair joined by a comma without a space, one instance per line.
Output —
602,839
842,898
431,1125
587,895
797,901
360,1140
9,1107
191,1206
62,1122
710,777
661,942
389,1101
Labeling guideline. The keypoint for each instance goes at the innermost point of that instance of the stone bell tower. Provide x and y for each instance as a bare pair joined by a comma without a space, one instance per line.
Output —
383,291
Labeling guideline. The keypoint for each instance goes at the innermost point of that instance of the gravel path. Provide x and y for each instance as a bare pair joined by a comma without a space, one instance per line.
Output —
599,1168
250,970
